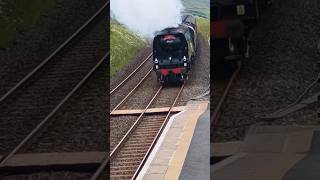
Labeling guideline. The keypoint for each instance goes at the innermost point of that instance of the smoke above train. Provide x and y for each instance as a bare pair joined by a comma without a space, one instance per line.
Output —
145,17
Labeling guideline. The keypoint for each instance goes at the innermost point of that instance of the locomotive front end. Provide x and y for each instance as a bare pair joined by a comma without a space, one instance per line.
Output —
170,57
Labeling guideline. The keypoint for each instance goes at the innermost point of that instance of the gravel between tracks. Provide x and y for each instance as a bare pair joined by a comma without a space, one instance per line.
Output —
51,86
119,94
282,65
33,46
80,126
199,78
119,127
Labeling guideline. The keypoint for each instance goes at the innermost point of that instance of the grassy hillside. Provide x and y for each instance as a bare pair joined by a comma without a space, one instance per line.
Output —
17,15
198,7
203,25
124,46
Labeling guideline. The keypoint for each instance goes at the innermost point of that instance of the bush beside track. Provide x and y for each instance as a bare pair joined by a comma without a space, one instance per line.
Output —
125,45
16,16
204,27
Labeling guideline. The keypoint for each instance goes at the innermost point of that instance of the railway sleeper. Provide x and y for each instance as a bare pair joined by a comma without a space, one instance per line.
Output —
115,163
121,177
139,143
115,169
128,155
134,148
146,131
136,151
131,159
124,171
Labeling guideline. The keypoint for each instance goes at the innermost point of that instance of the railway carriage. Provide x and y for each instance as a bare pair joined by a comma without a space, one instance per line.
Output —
232,22
174,50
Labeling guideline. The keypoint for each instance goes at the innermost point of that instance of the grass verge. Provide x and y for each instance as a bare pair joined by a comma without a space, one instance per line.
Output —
203,25
197,7
18,15
124,46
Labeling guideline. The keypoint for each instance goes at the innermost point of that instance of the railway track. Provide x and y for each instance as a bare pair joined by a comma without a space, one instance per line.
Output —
128,157
29,107
131,74
218,107
126,90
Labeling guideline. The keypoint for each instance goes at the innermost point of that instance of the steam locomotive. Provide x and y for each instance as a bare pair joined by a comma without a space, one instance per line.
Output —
174,50
232,22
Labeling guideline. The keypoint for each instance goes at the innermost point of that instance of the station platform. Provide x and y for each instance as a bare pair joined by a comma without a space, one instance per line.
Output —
270,153
176,155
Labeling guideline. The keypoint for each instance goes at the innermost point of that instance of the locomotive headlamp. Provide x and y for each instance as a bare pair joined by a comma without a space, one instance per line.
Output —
156,61
185,64
170,58
184,58
157,66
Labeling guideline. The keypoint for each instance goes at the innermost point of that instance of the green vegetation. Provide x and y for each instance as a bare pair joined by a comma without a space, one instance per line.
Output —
18,15
203,25
124,46
197,7
201,9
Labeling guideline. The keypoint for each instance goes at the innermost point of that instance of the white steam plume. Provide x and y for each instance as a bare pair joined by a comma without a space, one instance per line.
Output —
147,16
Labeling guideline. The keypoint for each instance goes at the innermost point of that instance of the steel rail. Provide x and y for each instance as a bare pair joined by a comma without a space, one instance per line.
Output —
216,112
144,160
47,119
102,167
124,139
50,57
134,126
132,91
130,75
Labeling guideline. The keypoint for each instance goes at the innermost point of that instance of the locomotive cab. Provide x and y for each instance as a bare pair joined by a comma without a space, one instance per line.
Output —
173,53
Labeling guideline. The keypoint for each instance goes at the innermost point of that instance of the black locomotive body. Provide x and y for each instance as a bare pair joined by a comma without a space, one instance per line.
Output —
232,22
174,50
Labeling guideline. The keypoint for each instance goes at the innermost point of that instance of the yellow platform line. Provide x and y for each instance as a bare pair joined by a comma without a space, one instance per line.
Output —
177,161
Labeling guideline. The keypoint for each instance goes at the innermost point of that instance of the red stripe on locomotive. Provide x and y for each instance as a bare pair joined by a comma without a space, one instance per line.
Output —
174,71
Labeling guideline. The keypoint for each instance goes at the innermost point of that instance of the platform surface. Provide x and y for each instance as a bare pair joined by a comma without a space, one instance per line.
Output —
168,159
273,152
196,164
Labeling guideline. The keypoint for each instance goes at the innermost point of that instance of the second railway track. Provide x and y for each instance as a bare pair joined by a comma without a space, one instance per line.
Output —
29,106
216,114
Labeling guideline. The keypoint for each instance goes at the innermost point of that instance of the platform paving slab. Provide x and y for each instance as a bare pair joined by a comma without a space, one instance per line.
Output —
273,152
225,148
169,158
309,167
